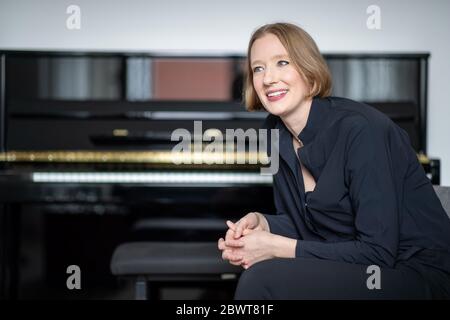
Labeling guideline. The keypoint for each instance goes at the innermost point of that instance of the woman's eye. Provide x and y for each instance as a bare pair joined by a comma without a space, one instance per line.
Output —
283,63
257,69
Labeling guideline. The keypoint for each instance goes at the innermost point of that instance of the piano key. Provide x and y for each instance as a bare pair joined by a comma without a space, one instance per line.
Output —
188,178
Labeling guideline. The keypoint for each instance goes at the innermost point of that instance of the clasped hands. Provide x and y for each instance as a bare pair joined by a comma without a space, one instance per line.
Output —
247,241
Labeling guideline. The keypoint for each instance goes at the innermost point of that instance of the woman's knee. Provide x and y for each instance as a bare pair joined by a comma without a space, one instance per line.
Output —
252,282
252,276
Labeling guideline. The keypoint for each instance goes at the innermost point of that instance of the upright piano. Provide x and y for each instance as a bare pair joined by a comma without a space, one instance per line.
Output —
86,138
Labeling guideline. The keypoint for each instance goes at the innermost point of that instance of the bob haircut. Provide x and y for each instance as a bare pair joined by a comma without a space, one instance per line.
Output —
304,54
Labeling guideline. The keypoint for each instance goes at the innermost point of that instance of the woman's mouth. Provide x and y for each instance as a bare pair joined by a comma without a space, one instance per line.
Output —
276,95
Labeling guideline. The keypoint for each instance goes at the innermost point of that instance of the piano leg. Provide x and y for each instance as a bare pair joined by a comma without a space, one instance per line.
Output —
435,169
9,251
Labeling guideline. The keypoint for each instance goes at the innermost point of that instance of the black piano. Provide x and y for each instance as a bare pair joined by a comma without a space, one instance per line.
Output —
86,157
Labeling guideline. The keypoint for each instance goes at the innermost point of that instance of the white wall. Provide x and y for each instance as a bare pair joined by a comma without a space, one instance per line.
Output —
210,26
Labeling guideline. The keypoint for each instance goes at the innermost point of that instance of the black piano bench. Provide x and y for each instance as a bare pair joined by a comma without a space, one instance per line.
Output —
147,262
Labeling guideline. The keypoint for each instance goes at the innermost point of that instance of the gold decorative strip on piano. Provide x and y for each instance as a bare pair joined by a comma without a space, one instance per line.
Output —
150,157
423,159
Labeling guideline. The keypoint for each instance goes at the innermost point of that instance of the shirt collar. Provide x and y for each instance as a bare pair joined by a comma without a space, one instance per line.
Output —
318,114
317,119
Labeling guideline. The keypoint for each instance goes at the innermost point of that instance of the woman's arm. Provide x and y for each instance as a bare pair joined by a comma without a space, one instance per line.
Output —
281,223
283,247
278,246
255,246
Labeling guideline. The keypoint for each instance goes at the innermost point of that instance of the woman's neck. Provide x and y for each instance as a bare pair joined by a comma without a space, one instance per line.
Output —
297,119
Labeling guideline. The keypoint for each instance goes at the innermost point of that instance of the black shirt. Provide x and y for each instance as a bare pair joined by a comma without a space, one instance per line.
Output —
372,203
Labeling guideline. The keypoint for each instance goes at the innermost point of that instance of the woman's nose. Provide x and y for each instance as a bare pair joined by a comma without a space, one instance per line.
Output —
270,77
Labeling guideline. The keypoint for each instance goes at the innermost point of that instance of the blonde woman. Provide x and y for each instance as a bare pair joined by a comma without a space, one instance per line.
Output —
351,197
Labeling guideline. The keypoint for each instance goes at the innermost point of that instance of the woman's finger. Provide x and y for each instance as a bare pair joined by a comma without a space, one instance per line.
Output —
240,226
231,225
233,256
234,243
228,254
221,244
237,263
229,234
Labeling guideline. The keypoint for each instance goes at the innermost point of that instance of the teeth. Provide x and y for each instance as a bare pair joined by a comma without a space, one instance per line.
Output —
274,94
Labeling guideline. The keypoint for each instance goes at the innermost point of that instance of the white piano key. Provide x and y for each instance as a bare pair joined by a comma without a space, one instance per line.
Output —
152,177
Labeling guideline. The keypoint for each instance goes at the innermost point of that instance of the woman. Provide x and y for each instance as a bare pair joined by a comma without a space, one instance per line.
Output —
357,218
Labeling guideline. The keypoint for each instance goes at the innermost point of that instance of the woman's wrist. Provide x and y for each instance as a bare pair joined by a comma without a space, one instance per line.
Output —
283,247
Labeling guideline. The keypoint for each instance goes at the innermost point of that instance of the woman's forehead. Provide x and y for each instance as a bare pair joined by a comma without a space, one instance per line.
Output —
267,47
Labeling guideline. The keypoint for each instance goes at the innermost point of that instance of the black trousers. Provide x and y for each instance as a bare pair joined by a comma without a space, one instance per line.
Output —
302,278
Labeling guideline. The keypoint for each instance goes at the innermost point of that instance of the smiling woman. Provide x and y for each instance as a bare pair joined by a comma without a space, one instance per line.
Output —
350,193
274,48
275,78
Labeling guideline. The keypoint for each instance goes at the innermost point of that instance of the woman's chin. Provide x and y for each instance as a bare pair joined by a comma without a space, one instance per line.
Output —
276,111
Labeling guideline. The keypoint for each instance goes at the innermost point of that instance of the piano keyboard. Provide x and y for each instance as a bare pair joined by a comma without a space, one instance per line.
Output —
187,178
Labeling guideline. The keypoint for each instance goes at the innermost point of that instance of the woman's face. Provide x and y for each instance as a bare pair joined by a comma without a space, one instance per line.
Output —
279,86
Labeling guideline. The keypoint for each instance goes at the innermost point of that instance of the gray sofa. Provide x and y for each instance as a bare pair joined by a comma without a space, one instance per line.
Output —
443,194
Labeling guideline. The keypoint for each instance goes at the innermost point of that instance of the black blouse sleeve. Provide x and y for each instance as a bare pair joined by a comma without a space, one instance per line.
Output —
373,187
281,223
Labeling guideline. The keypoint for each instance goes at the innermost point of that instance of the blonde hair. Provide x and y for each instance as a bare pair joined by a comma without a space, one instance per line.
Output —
305,56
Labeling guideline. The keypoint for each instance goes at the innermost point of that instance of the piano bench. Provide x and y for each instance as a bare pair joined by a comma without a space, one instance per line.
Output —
147,262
